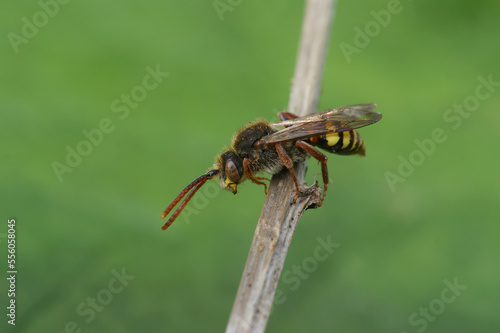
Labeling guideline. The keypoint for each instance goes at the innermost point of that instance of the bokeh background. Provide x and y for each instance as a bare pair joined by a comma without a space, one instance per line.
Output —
399,242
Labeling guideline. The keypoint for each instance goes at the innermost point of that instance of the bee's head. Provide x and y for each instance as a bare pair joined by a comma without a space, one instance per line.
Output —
231,170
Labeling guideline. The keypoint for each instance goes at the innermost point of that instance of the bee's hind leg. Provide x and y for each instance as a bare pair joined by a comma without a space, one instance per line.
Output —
285,115
321,158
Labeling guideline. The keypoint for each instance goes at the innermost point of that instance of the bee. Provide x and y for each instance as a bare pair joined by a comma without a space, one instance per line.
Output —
261,146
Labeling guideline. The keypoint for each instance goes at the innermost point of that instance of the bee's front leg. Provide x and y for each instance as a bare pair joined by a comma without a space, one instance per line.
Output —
249,174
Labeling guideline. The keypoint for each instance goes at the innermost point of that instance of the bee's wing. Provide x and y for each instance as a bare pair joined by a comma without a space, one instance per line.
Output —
345,113
336,120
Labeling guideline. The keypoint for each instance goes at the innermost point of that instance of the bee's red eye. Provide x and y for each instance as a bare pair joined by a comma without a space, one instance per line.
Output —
232,172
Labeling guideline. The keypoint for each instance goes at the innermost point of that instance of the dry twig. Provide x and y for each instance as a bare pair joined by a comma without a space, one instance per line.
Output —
280,214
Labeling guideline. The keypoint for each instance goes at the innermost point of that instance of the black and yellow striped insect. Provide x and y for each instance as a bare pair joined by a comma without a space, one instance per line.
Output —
261,146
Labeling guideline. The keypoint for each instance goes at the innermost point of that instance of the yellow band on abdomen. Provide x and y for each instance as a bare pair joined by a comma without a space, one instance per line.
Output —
332,139
346,140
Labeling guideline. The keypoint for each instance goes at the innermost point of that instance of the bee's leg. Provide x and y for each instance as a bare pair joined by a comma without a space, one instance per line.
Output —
322,158
287,161
248,173
263,178
285,115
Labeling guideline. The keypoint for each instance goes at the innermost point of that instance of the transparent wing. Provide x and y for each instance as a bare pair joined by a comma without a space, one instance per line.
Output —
345,114
335,120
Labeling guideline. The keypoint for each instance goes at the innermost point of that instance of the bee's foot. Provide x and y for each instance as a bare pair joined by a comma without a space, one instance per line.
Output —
313,193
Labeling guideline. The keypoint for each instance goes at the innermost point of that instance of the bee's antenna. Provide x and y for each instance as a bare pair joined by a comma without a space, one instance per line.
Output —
191,188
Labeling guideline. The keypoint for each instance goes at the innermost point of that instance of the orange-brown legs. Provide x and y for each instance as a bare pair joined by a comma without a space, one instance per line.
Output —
285,115
263,178
249,175
321,158
287,161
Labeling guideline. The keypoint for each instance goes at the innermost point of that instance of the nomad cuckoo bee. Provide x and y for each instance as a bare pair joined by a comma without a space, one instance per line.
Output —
261,147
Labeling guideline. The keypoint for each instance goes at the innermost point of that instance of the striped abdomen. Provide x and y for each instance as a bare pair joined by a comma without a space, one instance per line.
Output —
342,143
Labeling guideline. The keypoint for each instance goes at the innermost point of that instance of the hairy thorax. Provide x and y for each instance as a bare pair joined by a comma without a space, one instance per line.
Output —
266,160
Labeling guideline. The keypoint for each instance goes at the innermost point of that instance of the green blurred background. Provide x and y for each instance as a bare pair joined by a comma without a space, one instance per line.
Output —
398,240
